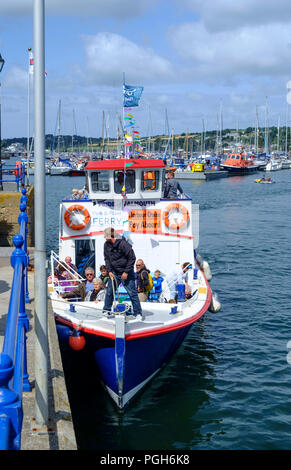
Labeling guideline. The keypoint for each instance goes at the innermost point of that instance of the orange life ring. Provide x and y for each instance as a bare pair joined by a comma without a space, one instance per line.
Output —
79,208
184,212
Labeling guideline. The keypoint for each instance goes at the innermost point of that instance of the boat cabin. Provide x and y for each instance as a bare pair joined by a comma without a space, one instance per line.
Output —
137,179
127,194
238,159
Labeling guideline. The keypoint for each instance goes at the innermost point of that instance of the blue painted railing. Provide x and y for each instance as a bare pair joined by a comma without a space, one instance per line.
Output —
13,359
13,174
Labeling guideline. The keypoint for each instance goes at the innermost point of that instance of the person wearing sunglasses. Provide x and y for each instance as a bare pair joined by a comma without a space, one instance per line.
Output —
83,288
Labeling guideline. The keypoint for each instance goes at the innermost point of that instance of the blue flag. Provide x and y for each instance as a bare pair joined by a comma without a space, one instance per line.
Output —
131,95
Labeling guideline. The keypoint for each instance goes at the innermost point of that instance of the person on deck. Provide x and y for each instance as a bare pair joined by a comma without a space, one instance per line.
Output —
179,277
68,261
157,282
104,276
172,187
83,288
119,260
98,292
142,280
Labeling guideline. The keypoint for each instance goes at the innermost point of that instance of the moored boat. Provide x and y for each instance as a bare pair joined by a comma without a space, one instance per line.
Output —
274,165
239,164
128,349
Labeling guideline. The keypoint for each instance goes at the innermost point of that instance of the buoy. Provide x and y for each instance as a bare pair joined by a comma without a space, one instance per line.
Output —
76,340
204,266
207,271
215,305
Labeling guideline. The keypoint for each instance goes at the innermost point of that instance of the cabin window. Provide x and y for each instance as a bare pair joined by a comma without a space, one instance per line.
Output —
126,180
150,180
100,181
238,157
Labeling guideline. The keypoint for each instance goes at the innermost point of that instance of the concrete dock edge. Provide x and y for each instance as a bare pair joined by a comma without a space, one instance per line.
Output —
59,434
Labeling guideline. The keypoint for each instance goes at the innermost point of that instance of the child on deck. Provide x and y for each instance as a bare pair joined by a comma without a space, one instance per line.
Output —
104,276
157,282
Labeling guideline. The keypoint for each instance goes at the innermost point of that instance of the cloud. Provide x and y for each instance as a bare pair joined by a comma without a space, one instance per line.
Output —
227,55
222,15
109,55
16,79
99,8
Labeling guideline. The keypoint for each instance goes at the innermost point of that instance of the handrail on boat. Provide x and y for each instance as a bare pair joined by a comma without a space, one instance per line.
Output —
13,360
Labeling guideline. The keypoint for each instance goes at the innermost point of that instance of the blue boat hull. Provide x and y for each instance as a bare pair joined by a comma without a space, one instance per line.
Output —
142,359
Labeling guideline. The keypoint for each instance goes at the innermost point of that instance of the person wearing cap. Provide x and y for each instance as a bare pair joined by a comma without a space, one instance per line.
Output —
119,260
172,187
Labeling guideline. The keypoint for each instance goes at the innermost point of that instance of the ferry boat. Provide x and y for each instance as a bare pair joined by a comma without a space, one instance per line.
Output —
130,349
239,164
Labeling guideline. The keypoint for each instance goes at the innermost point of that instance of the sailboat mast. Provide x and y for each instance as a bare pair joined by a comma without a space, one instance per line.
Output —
59,127
102,145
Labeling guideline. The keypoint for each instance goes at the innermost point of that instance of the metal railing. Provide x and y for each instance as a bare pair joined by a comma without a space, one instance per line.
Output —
13,174
13,359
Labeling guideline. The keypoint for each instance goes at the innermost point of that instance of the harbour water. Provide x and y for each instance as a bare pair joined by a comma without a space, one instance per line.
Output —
228,386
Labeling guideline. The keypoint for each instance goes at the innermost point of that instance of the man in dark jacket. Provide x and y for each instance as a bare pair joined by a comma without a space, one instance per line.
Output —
119,260
172,187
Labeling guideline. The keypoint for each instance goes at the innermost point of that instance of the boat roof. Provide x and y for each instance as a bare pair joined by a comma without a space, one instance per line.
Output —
119,164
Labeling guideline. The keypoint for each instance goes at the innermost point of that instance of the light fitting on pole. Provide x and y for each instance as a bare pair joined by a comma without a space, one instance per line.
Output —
2,62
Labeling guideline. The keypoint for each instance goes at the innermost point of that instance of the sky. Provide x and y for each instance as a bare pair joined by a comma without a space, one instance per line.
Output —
196,59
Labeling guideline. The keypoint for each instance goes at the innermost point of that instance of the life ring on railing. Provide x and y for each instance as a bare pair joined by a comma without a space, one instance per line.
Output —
17,170
182,210
77,208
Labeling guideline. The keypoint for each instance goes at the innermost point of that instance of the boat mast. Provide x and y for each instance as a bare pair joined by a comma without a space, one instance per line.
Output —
286,134
187,145
278,135
74,130
266,130
256,131
59,127
102,145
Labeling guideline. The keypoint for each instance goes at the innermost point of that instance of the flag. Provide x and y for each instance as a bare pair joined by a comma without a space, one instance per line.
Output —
31,61
131,95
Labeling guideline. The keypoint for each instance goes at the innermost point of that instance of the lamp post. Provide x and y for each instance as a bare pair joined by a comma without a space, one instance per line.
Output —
2,61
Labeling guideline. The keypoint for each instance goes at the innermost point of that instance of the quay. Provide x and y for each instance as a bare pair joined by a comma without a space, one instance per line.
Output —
59,434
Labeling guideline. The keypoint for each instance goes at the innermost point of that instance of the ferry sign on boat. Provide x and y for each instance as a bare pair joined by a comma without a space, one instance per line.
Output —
130,348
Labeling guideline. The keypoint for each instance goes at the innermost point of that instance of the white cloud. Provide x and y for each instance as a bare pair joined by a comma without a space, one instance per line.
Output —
224,15
16,79
99,8
109,55
248,51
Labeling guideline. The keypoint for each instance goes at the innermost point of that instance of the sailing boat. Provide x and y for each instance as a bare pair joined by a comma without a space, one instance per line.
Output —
59,166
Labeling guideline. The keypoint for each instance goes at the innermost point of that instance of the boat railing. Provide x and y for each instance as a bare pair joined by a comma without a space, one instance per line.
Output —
63,284
13,358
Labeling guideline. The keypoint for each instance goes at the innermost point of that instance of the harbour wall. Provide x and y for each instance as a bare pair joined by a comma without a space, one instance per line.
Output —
9,212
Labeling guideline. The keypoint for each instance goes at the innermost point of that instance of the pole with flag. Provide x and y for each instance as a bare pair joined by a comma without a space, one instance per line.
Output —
131,97
30,73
